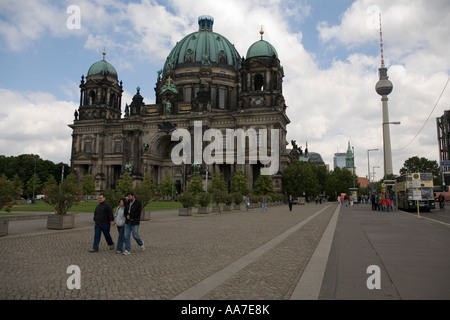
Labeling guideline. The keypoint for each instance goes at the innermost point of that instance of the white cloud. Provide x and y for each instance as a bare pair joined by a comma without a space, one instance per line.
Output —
327,106
35,122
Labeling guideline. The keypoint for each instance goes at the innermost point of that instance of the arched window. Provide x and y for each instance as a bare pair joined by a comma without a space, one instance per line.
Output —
92,97
259,82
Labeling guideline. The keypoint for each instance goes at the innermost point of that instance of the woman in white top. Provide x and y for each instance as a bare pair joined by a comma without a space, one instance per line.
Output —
119,219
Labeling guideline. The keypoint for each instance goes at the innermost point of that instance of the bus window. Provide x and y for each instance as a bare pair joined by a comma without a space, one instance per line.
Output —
427,193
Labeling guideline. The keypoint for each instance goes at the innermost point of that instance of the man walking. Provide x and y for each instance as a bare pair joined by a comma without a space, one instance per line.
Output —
103,218
264,203
290,201
133,219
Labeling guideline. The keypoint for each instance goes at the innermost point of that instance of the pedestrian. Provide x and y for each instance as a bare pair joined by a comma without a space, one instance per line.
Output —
133,210
264,203
119,220
388,204
290,201
441,202
374,202
247,202
103,218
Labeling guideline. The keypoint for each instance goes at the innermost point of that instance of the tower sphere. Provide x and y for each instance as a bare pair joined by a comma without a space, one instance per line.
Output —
384,87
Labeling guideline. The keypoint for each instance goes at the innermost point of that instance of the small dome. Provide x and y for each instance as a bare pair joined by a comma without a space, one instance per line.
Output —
102,67
261,48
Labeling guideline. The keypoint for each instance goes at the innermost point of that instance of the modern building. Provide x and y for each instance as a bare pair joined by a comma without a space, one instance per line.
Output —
203,81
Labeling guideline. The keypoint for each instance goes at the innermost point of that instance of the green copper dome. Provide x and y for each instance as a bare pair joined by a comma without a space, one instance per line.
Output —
261,48
102,67
203,47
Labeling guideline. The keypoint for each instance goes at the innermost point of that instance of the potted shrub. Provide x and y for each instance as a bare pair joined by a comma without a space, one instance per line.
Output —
8,193
228,202
203,200
237,199
218,197
187,200
62,197
145,192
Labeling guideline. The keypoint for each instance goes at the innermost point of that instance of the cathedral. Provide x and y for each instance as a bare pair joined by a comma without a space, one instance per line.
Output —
204,81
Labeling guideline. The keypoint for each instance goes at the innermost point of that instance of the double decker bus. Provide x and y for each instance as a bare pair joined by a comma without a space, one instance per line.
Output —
408,189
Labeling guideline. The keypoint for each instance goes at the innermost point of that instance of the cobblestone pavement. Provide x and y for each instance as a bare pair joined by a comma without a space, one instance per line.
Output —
180,253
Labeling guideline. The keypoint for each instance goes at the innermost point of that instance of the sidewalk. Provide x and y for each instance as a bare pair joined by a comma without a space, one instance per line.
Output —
413,256
314,252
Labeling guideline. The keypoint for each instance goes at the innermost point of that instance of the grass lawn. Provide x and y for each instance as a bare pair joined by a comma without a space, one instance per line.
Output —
89,206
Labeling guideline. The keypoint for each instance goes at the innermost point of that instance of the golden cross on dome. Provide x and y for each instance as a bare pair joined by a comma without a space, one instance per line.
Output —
169,80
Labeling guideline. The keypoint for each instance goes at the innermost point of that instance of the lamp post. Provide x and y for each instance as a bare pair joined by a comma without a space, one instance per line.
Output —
368,165
373,172
387,148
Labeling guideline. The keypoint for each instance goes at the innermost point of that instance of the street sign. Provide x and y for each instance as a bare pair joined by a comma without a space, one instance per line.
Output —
445,163
416,180
417,195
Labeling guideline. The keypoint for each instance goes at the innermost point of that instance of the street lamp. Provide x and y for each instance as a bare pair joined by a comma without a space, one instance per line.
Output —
373,172
387,148
368,165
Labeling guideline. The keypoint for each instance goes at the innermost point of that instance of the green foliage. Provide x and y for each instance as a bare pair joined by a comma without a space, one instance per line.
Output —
24,167
263,185
146,190
112,196
88,184
8,193
237,197
124,185
239,184
204,199
218,188
339,181
299,178
167,186
187,199
63,196
422,165
195,185
34,184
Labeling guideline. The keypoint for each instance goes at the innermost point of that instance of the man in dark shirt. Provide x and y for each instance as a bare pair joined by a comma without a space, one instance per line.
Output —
103,218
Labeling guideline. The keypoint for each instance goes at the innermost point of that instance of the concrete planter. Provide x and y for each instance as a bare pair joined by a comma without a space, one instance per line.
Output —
227,207
4,223
145,215
237,207
216,208
60,222
203,210
185,211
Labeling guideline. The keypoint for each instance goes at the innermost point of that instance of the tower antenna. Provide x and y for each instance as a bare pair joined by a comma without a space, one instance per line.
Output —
381,44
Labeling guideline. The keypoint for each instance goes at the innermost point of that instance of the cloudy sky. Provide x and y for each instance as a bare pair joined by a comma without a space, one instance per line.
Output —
329,49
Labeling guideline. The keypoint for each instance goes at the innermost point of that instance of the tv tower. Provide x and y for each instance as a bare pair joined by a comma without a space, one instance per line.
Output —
384,88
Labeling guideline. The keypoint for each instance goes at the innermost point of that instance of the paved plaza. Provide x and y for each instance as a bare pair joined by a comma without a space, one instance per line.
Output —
314,252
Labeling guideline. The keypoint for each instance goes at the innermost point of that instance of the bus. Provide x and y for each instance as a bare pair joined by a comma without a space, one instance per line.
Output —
408,188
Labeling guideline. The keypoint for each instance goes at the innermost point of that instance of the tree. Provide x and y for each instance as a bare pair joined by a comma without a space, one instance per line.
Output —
33,186
195,185
239,184
124,184
422,165
264,185
167,186
88,185
339,181
300,180
63,196
218,188
8,193
146,190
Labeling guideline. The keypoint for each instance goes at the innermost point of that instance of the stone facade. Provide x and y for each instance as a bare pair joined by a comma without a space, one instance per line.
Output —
214,91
